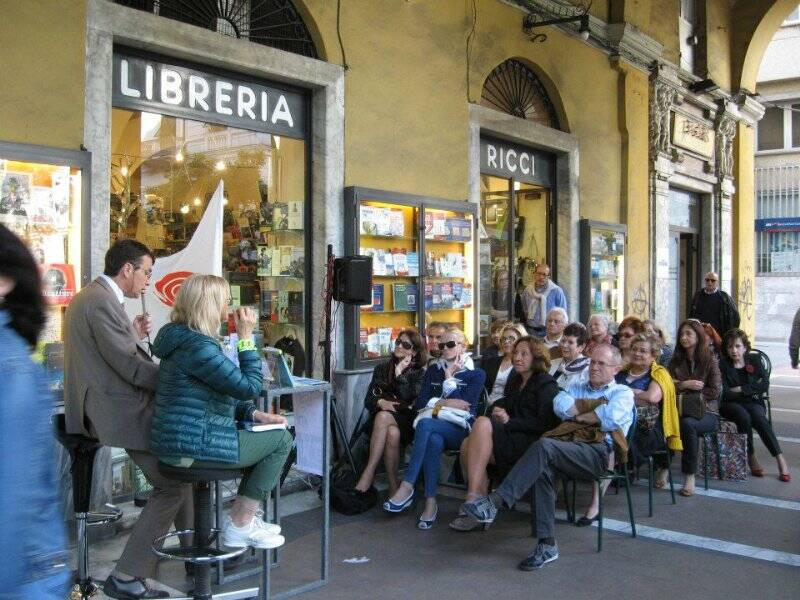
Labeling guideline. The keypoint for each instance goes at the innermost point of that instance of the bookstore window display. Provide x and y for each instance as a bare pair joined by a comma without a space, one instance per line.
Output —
164,171
41,203
603,269
422,263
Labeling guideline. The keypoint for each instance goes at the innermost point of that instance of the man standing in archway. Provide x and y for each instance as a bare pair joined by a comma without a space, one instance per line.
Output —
539,298
711,305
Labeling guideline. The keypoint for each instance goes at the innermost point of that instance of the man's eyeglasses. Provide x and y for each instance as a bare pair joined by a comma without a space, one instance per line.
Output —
147,272
710,279
450,344
404,344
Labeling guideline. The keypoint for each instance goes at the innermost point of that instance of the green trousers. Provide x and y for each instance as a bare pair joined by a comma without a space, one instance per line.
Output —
261,455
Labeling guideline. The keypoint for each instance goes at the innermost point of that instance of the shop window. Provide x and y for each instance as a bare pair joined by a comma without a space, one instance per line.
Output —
770,129
495,255
41,203
515,89
274,23
164,172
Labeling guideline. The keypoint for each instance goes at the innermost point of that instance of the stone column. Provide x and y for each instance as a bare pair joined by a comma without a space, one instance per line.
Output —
725,132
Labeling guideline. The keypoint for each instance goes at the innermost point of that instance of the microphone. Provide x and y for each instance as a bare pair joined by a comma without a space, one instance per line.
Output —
144,314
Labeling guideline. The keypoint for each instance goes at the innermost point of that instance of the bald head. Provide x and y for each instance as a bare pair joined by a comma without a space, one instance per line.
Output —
711,282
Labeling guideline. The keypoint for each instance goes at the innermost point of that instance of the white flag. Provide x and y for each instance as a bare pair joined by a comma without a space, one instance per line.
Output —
203,254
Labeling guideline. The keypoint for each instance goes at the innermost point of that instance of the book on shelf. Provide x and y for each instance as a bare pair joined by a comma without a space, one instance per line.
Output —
383,223
283,307
396,223
297,262
362,342
377,299
385,340
399,296
373,347
285,253
400,262
458,291
264,264
447,295
236,295
412,260
295,214
428,296
369,220
412,291
295,308
265,305
458,229
437,295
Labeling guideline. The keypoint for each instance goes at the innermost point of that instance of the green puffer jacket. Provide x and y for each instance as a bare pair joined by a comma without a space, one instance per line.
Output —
200,395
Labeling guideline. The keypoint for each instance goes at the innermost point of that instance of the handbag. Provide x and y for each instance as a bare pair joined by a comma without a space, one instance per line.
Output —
691,405
457,416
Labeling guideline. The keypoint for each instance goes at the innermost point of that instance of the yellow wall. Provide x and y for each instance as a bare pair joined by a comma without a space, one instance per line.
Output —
743,229
718,43
41,72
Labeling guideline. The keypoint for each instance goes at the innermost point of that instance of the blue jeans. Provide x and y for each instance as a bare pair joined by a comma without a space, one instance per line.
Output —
432,437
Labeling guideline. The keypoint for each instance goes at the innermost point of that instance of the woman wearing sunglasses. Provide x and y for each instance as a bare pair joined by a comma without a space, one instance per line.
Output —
390,400
457,383
628,328
517,420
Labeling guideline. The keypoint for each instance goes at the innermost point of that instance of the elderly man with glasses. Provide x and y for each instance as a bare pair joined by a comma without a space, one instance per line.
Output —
711,305
538,299
596,415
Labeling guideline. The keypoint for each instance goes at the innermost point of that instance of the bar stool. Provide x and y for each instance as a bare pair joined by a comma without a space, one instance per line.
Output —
82,451
201,553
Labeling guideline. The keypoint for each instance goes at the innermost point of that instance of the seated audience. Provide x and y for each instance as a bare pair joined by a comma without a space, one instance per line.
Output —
523,414
498,369
433,334
697,381
391,396
496,348
452,382
596,414
628,327
557,320
743,382
572,366
655,330
201,395
597,325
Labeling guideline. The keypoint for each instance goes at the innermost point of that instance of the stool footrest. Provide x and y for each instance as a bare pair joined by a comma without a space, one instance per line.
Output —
194,554
102,518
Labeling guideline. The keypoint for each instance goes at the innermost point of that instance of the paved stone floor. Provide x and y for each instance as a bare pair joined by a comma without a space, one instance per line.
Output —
739,540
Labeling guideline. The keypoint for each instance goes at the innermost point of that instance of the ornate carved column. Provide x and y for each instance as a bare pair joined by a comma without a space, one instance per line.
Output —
725,131
663,95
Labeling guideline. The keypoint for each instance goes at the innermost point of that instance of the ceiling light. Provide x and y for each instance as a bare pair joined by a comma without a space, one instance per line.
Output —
197,200
179,156
185,209
124,170
220,165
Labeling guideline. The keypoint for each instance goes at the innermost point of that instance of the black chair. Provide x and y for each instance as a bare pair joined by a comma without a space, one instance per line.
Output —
202,552
620,473
82,450
667,454
766,364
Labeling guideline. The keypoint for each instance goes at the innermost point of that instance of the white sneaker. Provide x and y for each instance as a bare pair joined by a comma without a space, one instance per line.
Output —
256,534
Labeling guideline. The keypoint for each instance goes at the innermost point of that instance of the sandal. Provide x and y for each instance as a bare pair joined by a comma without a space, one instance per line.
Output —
785,477
686,493
467,523
659,485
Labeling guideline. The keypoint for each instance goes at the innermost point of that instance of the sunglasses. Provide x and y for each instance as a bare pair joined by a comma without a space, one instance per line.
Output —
450,344
406,345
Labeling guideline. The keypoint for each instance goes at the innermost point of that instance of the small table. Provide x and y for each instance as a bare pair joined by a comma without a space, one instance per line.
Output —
270,397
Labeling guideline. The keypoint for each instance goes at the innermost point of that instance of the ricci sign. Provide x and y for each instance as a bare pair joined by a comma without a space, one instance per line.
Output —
153,86
509,160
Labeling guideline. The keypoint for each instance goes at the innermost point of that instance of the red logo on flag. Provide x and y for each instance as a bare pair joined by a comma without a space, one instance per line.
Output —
167,287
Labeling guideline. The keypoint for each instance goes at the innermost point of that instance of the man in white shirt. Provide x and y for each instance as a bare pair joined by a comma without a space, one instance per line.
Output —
575,459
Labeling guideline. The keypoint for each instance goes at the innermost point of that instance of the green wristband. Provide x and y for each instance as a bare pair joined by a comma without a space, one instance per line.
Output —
247,344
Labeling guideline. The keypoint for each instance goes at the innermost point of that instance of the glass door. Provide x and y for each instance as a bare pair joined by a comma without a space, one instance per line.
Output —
495,256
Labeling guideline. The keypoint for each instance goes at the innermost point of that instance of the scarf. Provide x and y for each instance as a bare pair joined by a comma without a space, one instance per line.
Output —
541,298
450,385
669,406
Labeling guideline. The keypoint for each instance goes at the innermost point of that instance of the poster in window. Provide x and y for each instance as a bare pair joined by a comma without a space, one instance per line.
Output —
15,195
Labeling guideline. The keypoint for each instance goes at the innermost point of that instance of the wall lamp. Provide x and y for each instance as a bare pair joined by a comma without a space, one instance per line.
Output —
703,86
529,23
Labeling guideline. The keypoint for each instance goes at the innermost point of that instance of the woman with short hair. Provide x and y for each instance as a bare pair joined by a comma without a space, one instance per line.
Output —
743,383
517,420
652,328
597,326
696,376
628,328
454,382
391,395
573,366
201,395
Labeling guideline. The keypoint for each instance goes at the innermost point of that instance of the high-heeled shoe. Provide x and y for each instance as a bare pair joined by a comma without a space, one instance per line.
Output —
785,477
428,523
392,507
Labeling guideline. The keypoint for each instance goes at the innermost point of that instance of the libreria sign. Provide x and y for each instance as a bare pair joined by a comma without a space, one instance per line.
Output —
153,86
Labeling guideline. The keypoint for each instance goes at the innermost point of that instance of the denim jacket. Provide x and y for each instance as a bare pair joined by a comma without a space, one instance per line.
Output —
32,535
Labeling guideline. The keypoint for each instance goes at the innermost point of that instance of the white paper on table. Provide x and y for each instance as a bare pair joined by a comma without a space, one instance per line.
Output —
309,424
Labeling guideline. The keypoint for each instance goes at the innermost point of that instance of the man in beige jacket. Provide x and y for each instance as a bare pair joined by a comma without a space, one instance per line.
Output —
109,382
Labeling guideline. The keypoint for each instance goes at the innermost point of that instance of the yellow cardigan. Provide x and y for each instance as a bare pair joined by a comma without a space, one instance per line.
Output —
669,406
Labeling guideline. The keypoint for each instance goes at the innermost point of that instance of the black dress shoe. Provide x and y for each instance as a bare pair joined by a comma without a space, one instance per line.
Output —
134,589
585,521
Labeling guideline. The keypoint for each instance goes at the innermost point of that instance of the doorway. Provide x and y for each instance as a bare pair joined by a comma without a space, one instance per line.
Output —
683,275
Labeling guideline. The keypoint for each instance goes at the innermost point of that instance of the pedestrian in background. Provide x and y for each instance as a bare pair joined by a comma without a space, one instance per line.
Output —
32,537
794,339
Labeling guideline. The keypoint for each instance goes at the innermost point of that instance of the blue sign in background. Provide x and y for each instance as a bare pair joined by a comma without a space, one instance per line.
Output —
778,225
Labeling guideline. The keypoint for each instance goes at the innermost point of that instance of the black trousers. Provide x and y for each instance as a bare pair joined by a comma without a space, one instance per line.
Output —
691,430
749,416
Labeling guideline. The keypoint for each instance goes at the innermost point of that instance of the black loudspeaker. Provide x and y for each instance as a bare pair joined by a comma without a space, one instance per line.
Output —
352,279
